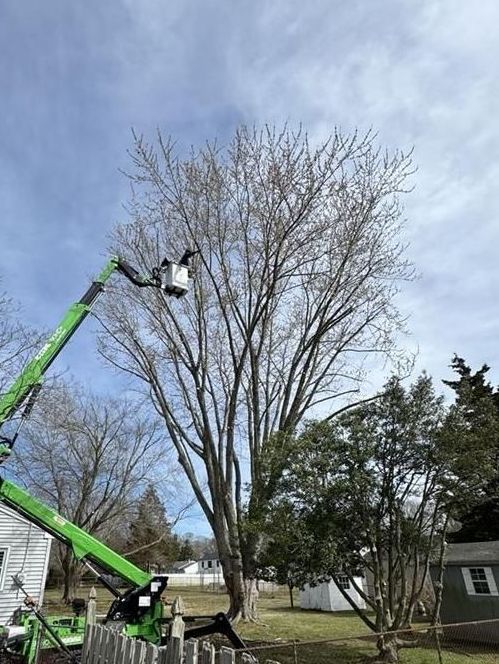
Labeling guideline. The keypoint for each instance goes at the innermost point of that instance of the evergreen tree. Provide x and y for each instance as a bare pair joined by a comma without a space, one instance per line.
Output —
151,542
186,550
473,434
362,493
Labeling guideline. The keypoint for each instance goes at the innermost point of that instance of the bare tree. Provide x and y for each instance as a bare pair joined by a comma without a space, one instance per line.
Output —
299,260
15,341
88,457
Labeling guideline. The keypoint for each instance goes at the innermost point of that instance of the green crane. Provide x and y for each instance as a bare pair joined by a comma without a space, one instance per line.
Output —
138,611
172,278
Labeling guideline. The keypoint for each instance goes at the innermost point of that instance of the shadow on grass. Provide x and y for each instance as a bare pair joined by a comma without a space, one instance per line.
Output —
323,653
333,616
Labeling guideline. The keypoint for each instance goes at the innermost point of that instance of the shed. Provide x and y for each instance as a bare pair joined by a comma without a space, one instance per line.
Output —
470,589
327,597
24,552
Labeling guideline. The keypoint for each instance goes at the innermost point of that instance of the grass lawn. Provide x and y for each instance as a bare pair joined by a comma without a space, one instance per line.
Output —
281,625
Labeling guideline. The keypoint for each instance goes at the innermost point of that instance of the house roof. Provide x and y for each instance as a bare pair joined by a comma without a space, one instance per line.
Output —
11,515
180,565
211,555
473,552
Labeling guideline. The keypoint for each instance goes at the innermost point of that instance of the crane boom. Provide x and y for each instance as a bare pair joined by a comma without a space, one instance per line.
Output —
36,368
85,547
170,277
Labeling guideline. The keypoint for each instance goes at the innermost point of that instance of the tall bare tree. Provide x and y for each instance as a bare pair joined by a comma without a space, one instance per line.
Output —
299,261
89,457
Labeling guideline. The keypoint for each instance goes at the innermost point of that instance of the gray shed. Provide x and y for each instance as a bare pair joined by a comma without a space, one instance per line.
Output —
24,552
471,589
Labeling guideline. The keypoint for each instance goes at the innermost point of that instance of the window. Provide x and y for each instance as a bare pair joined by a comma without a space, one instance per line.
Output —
342,581
479,581
202,564
3,565
218,563
210,564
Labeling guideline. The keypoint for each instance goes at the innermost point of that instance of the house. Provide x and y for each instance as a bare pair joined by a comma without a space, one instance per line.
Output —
184,567
24,554
209,564
470,590
327,596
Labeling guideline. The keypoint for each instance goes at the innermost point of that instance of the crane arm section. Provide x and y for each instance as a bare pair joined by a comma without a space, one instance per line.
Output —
33,373
84,546
170,277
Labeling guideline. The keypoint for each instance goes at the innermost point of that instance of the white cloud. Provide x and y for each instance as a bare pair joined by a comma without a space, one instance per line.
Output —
422,72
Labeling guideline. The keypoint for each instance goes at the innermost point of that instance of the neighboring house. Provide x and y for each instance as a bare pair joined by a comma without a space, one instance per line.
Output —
209,564
327,597
470,589
24,553
184,567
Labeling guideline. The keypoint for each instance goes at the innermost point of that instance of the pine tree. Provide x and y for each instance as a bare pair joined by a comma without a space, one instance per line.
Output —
151,542
186,550
474,435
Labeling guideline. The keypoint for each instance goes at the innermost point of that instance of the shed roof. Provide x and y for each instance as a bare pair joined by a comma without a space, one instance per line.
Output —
473,552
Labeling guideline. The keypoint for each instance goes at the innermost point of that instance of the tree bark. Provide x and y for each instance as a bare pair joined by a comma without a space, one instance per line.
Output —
291,600
71,577
389,647
243,592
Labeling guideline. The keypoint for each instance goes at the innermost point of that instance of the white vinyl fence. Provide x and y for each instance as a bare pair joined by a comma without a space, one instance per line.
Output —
211,581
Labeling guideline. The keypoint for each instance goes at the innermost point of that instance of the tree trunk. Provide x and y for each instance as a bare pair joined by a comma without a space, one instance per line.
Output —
243,593
70,577
251,599
238,559
69,585
291,601
388,647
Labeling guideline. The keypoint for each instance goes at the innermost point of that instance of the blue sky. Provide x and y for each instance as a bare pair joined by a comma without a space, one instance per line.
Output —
75,77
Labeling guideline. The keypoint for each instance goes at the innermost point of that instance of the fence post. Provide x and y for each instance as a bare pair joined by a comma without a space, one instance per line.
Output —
176,639
227,655
152,654
208,653
191,652
95,644
139,654
87,640
91,614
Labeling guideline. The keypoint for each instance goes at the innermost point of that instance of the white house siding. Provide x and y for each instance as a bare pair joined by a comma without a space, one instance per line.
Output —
27,551
210,566
327,597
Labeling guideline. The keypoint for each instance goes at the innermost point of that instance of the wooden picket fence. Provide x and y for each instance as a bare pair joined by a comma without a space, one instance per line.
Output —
106,646
103,645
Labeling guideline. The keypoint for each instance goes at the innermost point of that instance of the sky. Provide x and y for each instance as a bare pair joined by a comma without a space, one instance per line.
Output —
76,77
